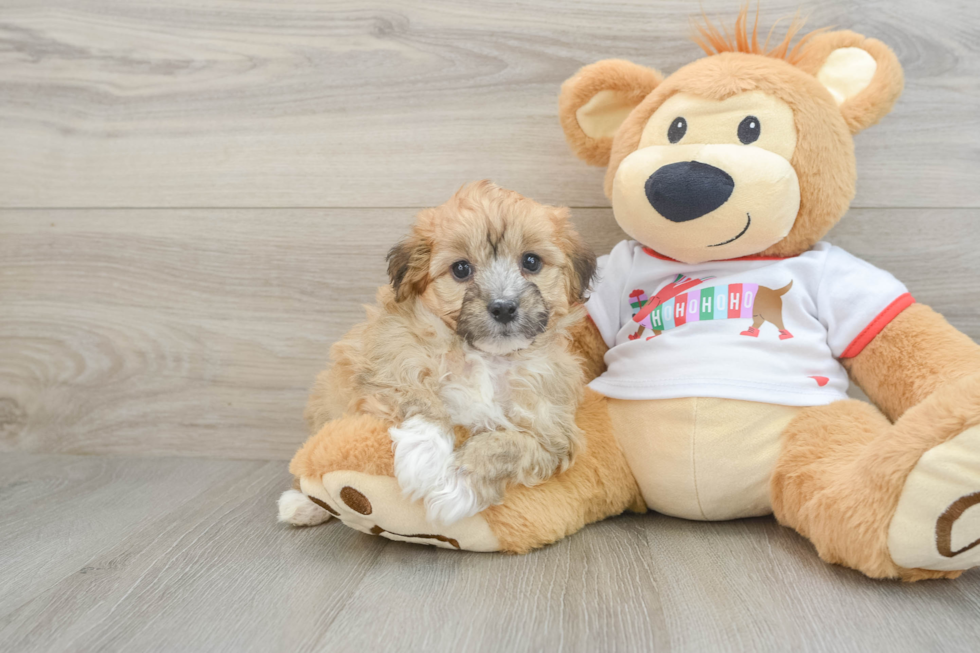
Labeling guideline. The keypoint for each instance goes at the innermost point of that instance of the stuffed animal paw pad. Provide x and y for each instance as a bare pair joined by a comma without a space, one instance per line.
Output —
937,522
375,505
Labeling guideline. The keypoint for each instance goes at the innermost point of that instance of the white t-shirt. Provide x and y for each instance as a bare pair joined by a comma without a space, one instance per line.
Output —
757,329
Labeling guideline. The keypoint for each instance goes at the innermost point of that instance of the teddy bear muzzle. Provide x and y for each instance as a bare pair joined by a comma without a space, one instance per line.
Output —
706,201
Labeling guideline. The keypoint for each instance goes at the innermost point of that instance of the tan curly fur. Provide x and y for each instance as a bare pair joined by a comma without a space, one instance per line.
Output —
409,359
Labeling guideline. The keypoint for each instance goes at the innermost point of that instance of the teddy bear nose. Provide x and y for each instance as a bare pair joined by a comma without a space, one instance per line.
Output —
687,190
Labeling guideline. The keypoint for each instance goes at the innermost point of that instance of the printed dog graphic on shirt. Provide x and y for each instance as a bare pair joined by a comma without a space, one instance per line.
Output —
673,306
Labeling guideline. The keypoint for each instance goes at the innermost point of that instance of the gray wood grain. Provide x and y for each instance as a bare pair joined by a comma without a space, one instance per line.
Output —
191,559
272,103
199,332
58,512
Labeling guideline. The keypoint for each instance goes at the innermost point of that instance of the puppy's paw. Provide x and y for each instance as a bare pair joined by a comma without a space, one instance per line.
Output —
453,501
297,509
423,454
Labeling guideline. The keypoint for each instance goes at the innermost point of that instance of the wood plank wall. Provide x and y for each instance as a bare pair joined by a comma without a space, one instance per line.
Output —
196,196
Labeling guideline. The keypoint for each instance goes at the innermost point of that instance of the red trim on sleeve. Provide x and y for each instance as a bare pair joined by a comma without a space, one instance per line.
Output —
874,328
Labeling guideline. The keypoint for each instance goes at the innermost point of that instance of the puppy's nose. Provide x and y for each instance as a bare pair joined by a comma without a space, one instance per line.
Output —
503,310
687,190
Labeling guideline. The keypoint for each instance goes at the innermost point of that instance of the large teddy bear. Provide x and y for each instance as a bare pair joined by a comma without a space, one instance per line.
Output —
722,335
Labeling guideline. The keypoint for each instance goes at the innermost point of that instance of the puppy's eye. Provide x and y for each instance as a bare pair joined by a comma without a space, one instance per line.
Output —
531,262
461,270
677,130
749,130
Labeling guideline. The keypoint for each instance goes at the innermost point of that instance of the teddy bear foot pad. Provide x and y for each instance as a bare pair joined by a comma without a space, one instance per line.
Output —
937,523
375,505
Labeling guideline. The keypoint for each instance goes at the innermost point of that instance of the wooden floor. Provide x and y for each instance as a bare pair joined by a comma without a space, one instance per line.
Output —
195,199
181,554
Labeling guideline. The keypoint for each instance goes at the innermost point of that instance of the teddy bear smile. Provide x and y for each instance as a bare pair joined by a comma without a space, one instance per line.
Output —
748,222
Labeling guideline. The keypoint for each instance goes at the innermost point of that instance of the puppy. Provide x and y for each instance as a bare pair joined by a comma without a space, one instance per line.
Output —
467,352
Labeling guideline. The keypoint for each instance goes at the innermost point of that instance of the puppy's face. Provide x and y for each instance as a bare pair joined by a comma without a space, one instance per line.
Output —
496,267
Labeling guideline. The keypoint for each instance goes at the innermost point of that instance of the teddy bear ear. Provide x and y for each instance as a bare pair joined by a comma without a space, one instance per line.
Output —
863,75
595,102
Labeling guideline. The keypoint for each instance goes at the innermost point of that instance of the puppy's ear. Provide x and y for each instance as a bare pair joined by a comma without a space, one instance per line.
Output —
584,265
582,268
408,267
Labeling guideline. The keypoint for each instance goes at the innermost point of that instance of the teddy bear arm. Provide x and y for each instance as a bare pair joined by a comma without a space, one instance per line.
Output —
355,442
918,353
348,468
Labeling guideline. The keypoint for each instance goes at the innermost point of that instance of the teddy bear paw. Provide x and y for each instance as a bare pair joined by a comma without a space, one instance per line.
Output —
376,505
936,525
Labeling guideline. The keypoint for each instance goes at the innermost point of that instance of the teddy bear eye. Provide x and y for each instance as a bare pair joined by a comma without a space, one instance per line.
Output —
749,130
677,130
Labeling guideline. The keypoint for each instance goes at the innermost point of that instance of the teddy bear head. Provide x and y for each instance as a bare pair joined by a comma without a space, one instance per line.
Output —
746,152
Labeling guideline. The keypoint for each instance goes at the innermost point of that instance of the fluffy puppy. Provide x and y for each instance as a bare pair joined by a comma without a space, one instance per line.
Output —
467,352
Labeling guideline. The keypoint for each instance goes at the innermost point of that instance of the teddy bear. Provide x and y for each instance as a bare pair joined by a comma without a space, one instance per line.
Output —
722,335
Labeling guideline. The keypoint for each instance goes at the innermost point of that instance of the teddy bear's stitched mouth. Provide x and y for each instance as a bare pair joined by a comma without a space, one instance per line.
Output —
740,234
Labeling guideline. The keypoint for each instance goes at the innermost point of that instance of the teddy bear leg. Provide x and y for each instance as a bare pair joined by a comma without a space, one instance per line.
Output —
816,488
936,524
844,468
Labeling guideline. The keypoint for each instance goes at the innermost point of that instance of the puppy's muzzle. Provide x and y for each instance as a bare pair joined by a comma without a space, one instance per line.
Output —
687,190
503,311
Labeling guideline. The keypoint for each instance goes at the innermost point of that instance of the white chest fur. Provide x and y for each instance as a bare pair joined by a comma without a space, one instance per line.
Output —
477,391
